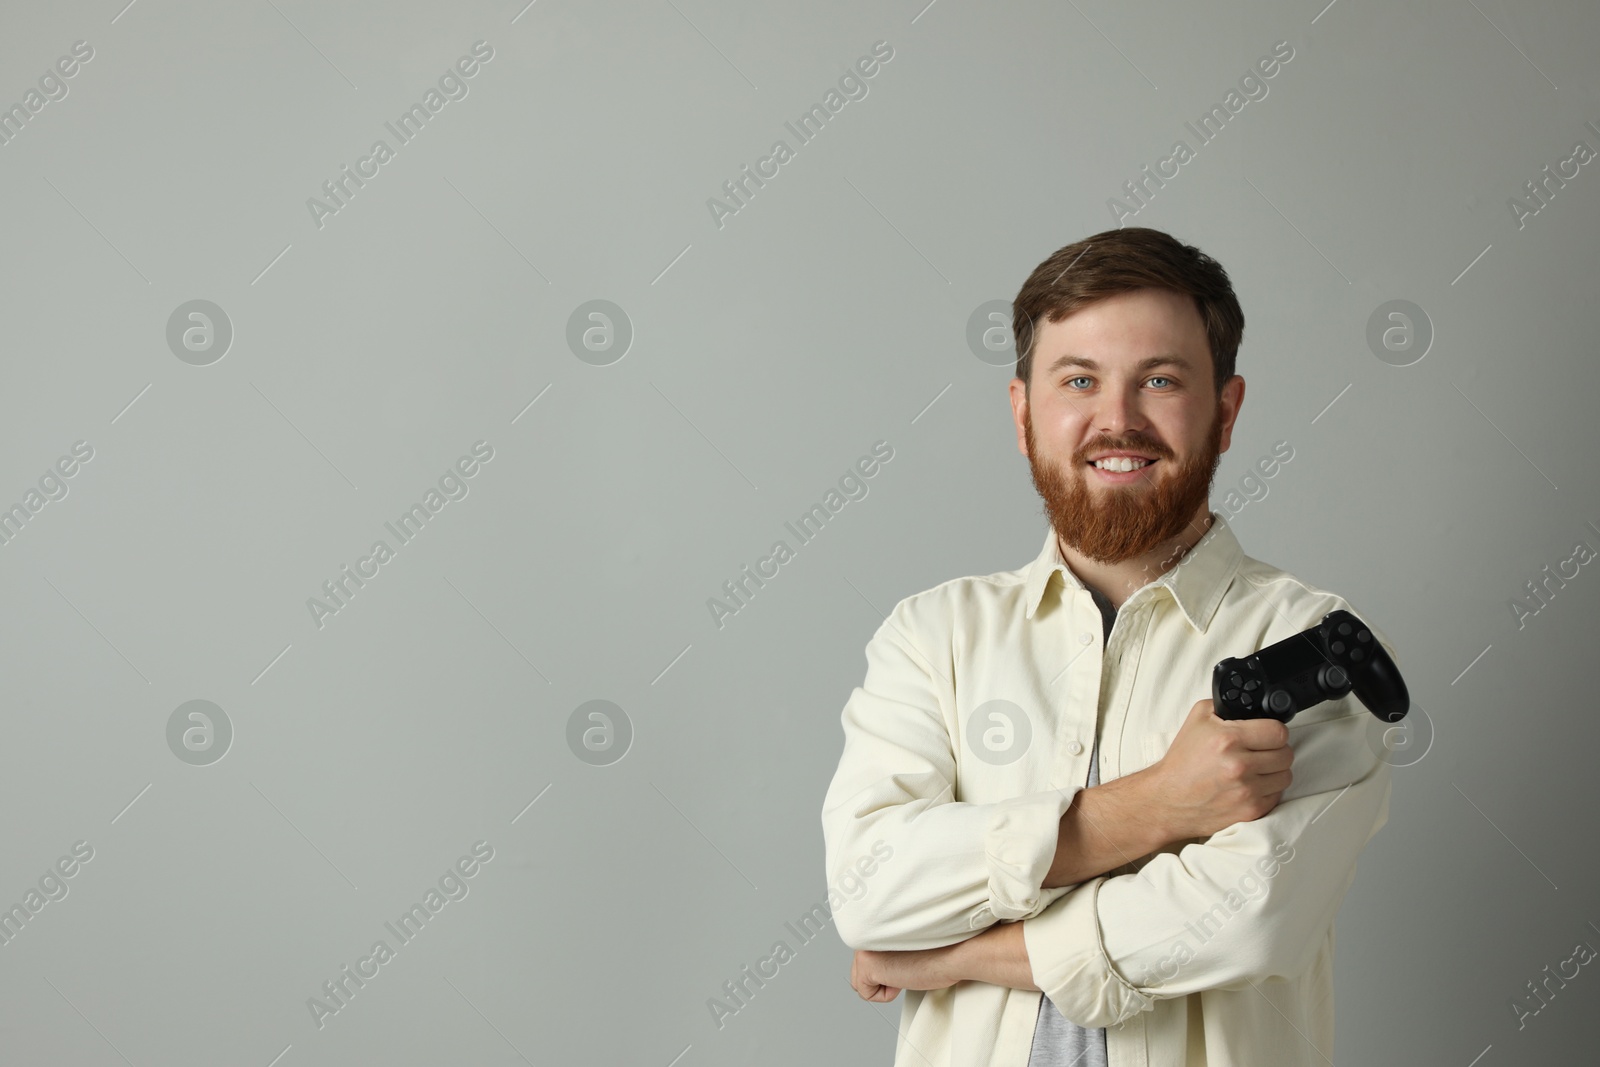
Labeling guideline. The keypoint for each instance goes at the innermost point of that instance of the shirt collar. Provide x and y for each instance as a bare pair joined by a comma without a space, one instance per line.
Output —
1197,582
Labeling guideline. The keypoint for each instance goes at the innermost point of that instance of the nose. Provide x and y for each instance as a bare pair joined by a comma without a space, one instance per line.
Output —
1117,412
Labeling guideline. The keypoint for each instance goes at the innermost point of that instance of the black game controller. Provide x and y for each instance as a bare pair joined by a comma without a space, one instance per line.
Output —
1337,656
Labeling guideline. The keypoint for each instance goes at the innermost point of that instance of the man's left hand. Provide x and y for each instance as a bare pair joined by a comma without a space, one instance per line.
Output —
880,976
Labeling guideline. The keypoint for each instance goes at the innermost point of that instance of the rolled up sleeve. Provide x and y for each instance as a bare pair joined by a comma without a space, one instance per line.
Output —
1253,901
947,868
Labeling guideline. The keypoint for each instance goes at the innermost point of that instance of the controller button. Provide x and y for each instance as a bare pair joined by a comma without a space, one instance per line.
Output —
1363,636
1344,629
1235,679
1356,655
1251,686
1231,695
1336,648
1246,699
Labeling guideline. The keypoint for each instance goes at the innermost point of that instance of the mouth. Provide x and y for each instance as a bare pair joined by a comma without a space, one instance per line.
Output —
1120,470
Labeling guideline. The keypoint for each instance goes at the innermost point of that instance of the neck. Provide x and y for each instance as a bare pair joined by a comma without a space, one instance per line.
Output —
1118,581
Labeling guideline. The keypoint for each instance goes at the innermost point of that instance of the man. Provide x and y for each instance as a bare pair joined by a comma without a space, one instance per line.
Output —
1182,911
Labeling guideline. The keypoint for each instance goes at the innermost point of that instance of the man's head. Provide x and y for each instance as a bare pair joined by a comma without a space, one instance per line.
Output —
1125,344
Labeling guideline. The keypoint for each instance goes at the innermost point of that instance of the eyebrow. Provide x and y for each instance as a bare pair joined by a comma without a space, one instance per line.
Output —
1151,363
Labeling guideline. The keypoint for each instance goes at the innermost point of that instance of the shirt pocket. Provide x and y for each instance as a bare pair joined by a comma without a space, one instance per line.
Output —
1330,754
1156,743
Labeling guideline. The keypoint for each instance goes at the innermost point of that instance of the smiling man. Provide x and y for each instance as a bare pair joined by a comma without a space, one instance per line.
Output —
1089,865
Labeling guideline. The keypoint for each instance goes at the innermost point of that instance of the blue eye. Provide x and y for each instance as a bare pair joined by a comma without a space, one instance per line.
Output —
1086,378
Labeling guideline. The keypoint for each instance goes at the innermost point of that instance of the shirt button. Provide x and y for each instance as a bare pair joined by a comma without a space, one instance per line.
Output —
1085,637
1075,747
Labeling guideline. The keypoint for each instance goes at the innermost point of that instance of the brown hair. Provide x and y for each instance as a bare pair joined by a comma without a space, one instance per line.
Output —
1120,261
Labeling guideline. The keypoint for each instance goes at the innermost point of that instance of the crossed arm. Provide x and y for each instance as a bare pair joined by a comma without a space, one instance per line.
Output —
996,956
1112,945
973,892
1105,826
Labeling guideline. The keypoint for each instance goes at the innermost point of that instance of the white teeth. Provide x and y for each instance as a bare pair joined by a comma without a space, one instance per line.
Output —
1122,463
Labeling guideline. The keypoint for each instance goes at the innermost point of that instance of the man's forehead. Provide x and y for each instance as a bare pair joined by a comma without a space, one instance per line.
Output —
1095,343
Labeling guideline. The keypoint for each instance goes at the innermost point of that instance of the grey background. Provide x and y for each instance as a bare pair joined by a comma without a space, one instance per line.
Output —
769,354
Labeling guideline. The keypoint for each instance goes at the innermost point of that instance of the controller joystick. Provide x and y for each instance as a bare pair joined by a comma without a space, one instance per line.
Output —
1338,656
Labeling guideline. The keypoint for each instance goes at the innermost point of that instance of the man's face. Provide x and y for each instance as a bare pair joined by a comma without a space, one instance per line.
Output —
1110,396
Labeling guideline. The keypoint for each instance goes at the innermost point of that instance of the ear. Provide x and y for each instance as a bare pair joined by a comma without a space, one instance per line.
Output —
1019,413
1232,399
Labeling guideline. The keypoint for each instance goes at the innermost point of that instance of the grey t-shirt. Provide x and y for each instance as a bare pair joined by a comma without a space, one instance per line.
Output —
1058,1042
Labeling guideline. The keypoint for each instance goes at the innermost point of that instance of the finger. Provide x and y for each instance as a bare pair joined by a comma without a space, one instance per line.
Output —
1278,759
1261,735
1276,783
1269,761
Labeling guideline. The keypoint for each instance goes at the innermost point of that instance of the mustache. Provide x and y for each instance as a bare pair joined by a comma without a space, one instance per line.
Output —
1148,448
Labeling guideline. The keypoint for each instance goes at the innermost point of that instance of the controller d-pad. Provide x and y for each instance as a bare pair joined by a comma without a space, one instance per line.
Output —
1235,679
1231,695
1251,686
1246,699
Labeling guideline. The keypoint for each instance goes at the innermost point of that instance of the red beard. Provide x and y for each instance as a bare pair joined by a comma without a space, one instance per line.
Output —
1112,523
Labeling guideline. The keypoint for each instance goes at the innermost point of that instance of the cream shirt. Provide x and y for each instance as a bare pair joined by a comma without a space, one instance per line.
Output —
965,744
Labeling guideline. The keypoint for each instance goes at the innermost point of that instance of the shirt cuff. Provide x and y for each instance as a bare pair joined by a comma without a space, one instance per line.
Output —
1069,962
1020,846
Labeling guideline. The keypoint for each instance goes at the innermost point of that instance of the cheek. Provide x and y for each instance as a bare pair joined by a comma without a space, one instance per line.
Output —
1063,434
1194,435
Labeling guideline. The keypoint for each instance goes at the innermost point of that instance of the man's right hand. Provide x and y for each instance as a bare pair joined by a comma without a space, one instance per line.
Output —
1221,771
